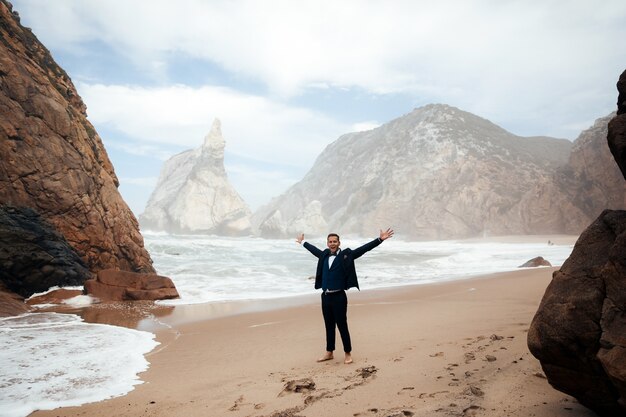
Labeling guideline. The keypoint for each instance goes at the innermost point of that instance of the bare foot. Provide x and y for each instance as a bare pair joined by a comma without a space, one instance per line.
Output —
327,356
348,359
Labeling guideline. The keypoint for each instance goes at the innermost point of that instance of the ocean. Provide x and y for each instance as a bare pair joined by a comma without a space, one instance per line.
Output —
50,360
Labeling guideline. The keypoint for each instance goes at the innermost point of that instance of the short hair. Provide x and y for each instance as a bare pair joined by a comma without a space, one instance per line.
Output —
333,234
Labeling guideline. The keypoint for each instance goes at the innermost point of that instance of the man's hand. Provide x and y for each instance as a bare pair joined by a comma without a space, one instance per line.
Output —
300,238
383,235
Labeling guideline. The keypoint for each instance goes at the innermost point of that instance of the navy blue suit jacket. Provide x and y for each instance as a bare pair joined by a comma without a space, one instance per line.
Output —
346,257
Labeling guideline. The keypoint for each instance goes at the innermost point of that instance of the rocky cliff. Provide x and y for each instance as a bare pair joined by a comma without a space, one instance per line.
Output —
435,173
193,194
577,192
53,161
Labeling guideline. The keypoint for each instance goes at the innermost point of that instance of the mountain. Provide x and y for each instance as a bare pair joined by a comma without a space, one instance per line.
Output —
435,173
193,194
577,192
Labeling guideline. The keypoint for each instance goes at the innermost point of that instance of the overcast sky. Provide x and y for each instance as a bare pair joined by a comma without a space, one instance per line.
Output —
286,78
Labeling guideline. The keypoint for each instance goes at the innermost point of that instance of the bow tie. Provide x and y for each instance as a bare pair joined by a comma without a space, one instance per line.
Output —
333,254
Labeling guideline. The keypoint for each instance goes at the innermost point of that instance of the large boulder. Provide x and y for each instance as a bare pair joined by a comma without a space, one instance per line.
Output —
535,262
579,331
34,256
115,285
52,159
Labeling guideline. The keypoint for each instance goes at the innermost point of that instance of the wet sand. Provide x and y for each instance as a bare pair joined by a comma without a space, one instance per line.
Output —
450,349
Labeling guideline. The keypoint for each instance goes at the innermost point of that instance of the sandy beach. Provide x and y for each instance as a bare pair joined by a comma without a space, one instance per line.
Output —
451,349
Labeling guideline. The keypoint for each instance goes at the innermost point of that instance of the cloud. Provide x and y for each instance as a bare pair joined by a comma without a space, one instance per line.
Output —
364,126
500,60
380,46
254,127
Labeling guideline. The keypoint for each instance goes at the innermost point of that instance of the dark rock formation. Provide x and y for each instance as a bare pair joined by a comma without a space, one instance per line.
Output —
535,262
579,330
114,285
52,159
617,127
34,256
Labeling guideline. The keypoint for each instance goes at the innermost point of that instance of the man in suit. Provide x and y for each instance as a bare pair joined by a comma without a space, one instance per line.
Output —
335,274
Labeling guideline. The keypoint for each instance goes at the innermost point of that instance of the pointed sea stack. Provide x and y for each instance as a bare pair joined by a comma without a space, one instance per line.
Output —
193,194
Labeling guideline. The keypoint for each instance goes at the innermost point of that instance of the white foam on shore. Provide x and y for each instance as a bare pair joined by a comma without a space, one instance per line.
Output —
80,301
50,360
49,290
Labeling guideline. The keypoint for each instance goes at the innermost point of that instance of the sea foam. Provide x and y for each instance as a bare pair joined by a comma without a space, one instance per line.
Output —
214,269
50,360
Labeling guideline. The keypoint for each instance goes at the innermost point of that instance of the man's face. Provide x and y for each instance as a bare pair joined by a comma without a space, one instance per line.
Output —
333,243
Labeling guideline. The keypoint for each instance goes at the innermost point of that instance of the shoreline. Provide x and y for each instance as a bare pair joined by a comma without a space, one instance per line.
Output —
183,314
421,350
155,317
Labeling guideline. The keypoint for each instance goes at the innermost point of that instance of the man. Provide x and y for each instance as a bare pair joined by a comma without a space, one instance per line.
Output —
335,274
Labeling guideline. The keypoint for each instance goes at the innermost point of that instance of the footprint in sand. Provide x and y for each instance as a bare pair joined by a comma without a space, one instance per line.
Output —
388,413
299,385
238,402
472,410
362,376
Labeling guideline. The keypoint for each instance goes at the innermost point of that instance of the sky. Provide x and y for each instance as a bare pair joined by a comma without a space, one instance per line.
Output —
287,78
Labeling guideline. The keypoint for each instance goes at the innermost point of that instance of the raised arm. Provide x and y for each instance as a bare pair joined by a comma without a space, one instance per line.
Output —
315,251
384,235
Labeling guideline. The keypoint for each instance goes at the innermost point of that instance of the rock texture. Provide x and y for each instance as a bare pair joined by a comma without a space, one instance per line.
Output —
193,194
617,132
11,304
114,285
53,161
579,330
437,172
34,256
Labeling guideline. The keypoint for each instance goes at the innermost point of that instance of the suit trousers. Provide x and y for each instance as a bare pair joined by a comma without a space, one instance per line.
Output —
335,312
